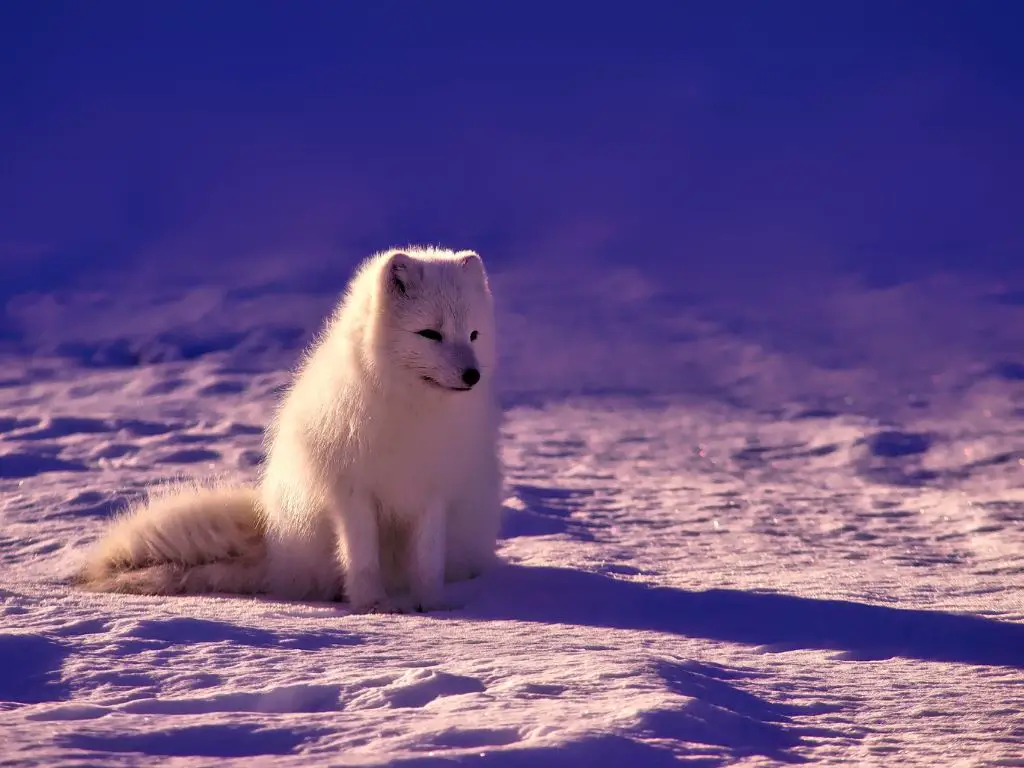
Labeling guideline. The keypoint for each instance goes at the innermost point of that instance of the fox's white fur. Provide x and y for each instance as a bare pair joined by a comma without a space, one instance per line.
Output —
382,476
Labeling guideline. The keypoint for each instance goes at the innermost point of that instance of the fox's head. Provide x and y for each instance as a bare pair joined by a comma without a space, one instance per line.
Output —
437,319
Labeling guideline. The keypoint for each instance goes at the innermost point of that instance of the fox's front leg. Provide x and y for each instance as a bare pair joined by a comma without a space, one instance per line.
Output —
357,526
427,556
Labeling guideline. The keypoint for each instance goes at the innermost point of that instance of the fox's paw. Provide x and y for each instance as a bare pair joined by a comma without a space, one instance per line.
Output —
369,598
404,604
412,605
388,605
434,604
377,605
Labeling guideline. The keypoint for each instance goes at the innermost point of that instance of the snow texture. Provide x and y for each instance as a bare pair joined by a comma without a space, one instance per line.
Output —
735,533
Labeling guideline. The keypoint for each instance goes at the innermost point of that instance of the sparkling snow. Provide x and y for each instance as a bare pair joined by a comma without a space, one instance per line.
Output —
735,534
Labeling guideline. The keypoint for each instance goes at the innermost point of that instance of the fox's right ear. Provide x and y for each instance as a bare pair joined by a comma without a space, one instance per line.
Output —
402,274
471,261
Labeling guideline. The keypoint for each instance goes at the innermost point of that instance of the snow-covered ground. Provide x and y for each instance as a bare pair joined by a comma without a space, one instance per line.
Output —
737,532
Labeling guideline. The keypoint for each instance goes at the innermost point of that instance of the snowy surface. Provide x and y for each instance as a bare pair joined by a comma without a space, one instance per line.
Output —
737,532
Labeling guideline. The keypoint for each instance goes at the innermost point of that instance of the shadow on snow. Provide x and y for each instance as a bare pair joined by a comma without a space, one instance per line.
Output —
783,622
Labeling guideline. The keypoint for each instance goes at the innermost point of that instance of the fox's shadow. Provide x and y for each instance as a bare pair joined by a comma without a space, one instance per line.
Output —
785,622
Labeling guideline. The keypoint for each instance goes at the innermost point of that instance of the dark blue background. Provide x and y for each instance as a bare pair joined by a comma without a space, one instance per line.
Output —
736,140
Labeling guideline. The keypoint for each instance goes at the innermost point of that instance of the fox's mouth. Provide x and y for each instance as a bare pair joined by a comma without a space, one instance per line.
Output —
439,385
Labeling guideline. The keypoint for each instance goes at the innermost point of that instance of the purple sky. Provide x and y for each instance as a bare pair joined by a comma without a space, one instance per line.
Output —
771,137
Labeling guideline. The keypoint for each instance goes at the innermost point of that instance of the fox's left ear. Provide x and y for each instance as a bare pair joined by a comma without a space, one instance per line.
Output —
403,274
471,261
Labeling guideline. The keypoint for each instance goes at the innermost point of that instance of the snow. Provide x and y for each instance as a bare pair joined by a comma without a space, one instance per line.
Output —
737,532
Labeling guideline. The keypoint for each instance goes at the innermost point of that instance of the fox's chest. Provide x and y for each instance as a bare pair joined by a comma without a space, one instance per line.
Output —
424,460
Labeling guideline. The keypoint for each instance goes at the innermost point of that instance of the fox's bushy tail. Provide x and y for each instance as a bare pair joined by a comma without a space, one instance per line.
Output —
188,539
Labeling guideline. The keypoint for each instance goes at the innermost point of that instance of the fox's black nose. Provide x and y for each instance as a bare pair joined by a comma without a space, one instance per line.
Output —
470,376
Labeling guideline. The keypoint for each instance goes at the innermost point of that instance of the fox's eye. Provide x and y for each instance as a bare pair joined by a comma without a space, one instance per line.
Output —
430,333
473,335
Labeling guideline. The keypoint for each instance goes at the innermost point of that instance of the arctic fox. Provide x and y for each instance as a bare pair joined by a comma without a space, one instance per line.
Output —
382,477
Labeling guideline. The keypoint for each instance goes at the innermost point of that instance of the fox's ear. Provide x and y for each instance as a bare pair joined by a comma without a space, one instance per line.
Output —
402,274
471,261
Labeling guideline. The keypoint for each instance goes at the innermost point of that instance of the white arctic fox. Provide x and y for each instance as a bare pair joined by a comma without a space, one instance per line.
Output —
382,477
